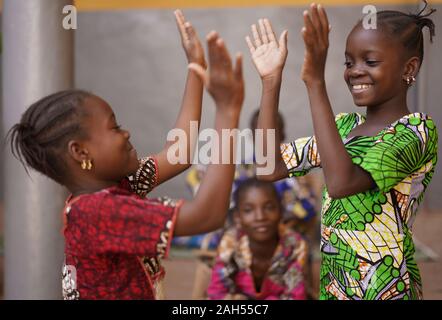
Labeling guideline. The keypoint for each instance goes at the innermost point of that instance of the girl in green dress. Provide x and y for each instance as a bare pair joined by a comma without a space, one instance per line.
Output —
376,167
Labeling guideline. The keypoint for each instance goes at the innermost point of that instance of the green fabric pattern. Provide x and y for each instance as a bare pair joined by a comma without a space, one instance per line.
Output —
367,248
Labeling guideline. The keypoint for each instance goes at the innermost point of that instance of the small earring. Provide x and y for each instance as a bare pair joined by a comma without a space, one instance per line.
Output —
410,80
86,164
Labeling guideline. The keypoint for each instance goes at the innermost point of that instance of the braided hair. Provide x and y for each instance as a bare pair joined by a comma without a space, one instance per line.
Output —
408,28
39,139
254,183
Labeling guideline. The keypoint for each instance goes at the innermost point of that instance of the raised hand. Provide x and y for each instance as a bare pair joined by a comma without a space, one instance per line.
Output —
223,81
268,55
190,41
315,34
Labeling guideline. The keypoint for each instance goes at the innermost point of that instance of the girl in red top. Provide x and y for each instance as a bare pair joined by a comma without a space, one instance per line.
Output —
114,236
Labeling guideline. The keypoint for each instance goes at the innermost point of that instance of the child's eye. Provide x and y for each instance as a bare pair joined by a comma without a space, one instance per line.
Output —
117,127
372,62
348,64
247,210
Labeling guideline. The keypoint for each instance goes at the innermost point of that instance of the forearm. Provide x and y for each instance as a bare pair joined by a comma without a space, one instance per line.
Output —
268,119
210,205
335,161
190,111
191,106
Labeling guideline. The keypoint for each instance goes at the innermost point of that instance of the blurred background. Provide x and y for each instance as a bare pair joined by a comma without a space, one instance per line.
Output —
129,53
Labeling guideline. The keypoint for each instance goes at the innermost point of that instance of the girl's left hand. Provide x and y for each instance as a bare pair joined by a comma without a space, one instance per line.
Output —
190,41
268,54
315,34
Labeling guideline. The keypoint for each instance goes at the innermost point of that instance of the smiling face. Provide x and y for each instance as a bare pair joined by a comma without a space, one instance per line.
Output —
108,145
259,213
375,65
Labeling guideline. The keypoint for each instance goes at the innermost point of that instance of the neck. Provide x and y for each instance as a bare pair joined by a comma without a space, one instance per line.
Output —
89,187
387,112
263,250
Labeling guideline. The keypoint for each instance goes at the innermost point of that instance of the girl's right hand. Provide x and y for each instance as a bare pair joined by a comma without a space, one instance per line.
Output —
223,81
268,55
315,34
189,39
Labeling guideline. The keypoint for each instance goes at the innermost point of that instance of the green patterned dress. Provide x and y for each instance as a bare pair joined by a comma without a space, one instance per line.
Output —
366,239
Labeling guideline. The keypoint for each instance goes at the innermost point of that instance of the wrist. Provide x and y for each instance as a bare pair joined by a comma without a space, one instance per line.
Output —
272,78
272,82
316,83
229,111
200,61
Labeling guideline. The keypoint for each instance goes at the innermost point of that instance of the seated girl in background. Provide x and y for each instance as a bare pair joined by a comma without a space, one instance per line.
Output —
260,258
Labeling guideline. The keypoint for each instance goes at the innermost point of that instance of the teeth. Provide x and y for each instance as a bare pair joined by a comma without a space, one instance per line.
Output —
361,86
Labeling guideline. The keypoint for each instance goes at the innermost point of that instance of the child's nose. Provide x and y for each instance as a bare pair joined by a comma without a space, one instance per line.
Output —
127,134
357,71
259,214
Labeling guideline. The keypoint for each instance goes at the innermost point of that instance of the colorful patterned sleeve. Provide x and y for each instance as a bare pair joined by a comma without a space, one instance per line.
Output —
146,177
301,155
409,147
122,223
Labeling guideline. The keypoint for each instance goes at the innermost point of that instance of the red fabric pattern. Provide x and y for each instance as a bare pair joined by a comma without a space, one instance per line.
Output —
114,242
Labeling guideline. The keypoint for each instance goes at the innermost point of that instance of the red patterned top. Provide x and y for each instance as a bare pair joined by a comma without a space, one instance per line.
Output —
115,240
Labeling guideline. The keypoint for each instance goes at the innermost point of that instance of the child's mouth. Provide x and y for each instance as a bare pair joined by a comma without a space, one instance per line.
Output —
359,88
261,229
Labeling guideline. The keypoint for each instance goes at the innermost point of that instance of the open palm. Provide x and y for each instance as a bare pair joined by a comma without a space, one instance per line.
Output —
268,55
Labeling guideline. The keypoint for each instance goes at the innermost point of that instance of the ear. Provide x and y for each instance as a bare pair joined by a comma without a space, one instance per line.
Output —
77,151
412,67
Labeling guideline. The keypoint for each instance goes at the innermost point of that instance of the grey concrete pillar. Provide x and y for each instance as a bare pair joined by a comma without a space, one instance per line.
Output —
37,60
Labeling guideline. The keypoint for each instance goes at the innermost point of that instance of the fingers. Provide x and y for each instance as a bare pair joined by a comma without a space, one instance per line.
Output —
250,45
308,32
180,21
211,47
314,16
190,31
269,30
264,36
185,27
263,31
308,24
256,36
326,27
223,53
316,23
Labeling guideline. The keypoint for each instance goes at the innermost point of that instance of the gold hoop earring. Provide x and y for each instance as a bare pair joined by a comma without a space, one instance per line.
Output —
89,164
83,164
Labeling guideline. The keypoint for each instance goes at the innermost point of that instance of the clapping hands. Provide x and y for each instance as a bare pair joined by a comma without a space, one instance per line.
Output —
268,55
315,34
223,80
190,41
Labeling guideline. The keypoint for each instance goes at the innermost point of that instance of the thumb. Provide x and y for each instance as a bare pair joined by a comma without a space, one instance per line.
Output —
238,67
283,40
